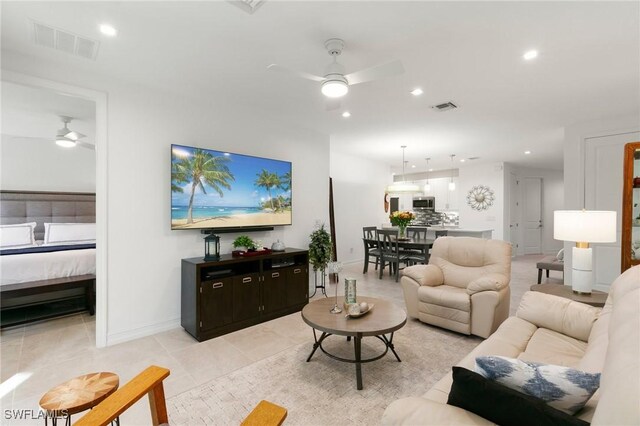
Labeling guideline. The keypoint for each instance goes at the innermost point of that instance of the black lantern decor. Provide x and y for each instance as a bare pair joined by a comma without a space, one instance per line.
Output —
211,247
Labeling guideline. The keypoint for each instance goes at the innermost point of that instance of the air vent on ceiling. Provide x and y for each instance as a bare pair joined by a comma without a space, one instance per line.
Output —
445,106
65,41
248,6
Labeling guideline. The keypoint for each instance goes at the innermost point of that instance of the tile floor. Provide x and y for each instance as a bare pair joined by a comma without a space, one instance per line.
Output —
54,351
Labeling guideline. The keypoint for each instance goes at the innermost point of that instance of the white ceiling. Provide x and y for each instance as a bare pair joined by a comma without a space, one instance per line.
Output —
466,52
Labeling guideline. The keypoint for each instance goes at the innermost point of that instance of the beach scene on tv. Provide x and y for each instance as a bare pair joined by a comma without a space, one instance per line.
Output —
216,189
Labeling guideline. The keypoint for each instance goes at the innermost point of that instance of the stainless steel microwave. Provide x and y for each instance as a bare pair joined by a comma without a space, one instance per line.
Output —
424,203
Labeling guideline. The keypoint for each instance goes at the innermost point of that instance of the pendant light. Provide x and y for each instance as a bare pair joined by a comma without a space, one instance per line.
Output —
452,184
427,186
403,186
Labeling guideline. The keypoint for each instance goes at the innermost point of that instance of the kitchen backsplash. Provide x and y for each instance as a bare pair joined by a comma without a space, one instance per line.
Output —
429,217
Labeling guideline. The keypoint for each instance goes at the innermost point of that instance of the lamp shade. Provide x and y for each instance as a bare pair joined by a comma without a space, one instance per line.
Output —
588,226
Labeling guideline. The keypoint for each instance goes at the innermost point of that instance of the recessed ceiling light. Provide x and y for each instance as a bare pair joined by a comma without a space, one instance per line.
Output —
417,92
531,54
108,30
413,166
527,152
462,160
346,114
430,170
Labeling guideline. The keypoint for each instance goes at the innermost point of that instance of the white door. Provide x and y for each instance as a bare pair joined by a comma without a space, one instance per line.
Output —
603,191
514,214
532,218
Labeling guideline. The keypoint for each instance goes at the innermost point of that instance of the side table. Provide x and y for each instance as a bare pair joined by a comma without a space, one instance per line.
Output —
596,298
78,394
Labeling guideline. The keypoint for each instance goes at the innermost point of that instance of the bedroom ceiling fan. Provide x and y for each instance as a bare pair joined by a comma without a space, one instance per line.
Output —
335,82
65,137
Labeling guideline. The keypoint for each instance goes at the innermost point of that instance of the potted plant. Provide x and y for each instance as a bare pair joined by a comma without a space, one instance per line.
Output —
320,248
245,242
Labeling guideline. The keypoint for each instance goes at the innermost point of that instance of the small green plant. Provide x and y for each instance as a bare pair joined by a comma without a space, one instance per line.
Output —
320,248
244,241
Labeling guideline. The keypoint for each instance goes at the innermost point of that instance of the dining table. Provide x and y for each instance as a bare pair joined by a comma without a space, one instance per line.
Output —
404,244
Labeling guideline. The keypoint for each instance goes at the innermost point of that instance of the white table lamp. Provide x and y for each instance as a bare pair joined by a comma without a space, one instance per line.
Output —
583,227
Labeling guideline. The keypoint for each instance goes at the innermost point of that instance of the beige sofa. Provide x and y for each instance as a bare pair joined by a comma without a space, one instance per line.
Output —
464,288
555,330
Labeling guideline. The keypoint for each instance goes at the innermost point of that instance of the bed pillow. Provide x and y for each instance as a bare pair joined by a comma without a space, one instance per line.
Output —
57,234
17,236
564,388
502,405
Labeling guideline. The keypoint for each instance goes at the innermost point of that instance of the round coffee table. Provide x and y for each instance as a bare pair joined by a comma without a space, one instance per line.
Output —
78,394
384,318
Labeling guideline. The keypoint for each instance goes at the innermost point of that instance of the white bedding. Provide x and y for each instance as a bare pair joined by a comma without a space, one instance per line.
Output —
21,268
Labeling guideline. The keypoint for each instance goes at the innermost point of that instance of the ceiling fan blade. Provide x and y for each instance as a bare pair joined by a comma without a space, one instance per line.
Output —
30,138
306,75
375,73
332,104
73,135
86,145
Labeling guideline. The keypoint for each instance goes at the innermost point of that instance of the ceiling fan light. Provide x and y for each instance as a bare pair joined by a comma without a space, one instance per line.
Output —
335,88
65,142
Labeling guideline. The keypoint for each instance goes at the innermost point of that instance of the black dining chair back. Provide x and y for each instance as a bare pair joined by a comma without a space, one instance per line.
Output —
441,233
369,232
417,232
389,251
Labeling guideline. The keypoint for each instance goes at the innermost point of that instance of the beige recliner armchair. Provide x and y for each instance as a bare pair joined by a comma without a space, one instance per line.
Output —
465,286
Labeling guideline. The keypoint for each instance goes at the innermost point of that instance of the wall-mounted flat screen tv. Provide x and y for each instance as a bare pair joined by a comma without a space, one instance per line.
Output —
216,189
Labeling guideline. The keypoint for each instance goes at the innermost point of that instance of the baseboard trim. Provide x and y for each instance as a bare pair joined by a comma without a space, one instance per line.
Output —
147,330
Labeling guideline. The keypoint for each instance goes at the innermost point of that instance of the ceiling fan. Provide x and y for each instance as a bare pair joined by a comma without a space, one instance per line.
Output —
65,137
335,82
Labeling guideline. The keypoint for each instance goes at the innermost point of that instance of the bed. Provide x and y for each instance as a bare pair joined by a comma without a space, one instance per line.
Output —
48,278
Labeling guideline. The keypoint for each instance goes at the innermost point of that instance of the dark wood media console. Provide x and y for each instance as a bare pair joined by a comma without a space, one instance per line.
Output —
218,297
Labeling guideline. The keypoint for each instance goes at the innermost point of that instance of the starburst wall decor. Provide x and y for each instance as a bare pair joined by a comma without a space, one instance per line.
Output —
480,197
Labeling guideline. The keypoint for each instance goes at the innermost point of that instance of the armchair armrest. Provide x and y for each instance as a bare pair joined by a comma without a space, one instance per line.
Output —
489,282
429,275
556,313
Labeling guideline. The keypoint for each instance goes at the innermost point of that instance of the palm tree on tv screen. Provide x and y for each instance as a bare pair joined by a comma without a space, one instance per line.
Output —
268,180
202,168
285,181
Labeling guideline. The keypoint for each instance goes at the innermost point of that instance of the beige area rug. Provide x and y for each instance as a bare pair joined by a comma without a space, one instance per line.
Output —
323,391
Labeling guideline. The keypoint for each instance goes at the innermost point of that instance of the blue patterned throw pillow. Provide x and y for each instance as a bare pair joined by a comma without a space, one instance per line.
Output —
563,388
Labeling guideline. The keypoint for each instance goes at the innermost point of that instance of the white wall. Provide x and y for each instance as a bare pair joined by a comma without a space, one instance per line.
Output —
143,253
493,176
358,196
34,165
579,179
552,199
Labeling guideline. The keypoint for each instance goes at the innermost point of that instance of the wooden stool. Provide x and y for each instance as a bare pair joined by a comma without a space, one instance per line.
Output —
265,414
77,395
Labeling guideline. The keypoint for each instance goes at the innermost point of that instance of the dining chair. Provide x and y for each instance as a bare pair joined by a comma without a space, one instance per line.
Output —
389,251
371,249
442,233
417,232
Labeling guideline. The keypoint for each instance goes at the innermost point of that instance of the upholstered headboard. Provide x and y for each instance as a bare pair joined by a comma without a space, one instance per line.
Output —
41,207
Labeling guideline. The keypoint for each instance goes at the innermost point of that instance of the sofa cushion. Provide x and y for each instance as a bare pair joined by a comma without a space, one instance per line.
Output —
445,295
550,347
510,339
563,388
502,405
558,314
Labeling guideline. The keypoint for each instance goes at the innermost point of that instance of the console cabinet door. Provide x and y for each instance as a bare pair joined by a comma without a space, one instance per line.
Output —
246,296
216,300
275,288
297,285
